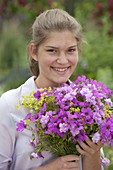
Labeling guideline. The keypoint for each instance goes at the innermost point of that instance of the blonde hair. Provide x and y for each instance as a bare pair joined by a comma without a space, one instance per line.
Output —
48,21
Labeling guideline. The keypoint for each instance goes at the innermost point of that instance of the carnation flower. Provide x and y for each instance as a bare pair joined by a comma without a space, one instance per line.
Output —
63,116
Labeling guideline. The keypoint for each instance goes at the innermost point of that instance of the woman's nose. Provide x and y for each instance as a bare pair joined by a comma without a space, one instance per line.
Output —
62,59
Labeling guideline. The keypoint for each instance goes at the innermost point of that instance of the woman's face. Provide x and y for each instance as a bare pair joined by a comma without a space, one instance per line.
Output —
57,58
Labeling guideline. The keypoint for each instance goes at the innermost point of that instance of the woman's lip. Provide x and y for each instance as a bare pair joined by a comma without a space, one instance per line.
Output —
59,69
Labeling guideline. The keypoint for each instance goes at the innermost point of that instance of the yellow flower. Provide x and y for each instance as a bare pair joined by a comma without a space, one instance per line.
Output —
27,121
85,127
75,109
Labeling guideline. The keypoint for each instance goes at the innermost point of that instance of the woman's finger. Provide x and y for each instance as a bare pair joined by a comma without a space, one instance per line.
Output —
81,151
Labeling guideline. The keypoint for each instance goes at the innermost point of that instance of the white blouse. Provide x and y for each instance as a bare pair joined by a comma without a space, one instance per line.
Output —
15,147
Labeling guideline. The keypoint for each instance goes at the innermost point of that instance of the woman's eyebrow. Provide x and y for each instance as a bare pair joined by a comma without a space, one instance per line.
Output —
49,46
73,46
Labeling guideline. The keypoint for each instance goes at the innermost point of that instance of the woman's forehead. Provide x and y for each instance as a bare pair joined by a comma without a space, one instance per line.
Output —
56,37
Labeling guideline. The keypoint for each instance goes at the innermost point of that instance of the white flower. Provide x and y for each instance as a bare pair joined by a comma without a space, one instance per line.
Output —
63,127
109,102
96,137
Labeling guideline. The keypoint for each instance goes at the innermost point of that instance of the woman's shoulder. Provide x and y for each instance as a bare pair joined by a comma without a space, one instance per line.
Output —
12,96
9,99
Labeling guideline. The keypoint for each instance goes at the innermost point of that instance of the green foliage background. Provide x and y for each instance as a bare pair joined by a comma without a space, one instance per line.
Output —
96,57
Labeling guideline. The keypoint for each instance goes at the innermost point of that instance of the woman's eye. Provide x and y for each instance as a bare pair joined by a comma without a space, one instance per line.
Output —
72,50
51,50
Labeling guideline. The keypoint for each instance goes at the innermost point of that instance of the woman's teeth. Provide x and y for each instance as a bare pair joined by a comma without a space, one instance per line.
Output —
61,69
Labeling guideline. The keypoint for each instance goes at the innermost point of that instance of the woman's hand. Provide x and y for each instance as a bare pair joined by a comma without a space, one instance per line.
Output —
68,162
91,154
89,148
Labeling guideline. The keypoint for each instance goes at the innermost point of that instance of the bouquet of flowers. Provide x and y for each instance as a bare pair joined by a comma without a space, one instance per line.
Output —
61,117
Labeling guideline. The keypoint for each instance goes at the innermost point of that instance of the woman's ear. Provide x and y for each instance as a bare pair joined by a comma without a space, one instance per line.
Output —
32,49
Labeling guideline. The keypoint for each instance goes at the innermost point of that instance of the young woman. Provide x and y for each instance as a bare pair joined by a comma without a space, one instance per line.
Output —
53,56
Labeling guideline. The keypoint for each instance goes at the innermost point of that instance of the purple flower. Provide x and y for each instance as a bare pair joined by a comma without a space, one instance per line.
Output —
81,79
87,93
21,125
82,136
98,116
28,116
87,114
44,120
106,131
34,142
75,130
34,118
35,155
37,94
50,113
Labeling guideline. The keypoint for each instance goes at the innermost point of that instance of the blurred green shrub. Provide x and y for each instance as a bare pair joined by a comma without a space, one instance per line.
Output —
13,56
25,10
12,46
108,151
96,59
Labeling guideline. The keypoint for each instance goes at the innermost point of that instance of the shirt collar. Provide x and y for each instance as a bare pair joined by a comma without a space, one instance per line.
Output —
29,86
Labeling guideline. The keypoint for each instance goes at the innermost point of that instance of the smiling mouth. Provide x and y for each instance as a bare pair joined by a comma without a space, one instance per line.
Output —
60,69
